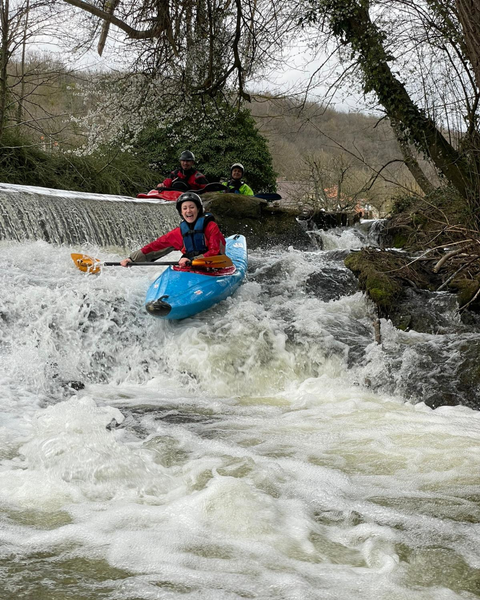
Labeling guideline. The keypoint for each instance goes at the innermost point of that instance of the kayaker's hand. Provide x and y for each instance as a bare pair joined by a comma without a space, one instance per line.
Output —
125,262
184,262
160,187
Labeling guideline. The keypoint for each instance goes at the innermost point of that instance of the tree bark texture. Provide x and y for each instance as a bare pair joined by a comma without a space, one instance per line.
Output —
351,21
4,58
411,161
469,17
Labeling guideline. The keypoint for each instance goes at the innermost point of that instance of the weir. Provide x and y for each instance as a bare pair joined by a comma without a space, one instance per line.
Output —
68,217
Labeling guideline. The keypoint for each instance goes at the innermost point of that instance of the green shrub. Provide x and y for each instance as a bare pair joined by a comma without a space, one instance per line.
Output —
217,140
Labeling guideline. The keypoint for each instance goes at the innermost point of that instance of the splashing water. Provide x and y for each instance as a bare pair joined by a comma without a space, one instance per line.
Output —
237,454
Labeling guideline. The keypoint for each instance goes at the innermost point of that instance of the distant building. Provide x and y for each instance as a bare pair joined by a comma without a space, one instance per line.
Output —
301,195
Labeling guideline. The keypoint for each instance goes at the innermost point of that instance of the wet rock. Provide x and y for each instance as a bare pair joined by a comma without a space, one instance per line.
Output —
426,312
322,219
73,385
264,224
441,371
331,284
375,272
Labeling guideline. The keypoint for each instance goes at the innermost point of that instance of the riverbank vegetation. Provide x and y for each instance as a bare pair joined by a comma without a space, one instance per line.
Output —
431,244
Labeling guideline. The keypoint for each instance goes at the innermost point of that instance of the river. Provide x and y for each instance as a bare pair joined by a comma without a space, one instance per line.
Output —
268,448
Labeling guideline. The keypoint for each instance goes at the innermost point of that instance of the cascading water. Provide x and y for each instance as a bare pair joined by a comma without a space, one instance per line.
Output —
263,449
61,217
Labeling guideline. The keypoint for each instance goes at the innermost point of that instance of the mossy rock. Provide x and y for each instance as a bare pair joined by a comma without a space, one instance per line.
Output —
383,289
466,290
385,275
234,206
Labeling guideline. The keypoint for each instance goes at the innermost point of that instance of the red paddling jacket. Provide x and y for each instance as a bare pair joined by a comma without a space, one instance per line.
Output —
214,242
193,178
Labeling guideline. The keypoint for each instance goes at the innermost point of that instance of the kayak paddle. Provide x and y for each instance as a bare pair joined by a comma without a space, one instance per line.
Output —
87,264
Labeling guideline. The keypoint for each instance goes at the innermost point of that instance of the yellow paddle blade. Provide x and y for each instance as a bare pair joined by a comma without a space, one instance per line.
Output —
221,261
85,263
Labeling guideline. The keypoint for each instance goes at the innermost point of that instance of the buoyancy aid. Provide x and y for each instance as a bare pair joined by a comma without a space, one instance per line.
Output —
234,185
238,186
194,239
191,177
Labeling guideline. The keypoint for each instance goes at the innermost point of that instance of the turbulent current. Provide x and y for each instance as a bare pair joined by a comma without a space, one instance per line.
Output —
268,448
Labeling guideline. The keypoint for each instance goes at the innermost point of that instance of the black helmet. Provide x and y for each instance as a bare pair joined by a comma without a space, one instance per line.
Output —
191,197
187,155
237,166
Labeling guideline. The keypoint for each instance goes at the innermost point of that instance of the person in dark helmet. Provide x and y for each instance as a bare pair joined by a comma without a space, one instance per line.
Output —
186,176
235,185
197,236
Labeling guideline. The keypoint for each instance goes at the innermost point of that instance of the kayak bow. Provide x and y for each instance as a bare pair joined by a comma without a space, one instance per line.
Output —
179,292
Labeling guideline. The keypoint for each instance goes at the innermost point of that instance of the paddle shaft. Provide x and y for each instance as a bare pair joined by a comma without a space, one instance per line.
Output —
140,264
87,264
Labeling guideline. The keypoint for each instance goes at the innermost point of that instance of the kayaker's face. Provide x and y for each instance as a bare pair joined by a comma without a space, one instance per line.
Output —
237,173
189,211
186,164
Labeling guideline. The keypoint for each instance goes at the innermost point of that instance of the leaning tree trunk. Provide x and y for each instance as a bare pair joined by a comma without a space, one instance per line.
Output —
411,162
350,21
110,7
469,17
4,56
22,66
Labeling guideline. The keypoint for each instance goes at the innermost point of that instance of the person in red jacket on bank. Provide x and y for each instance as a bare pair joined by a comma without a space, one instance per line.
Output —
197,236
186,174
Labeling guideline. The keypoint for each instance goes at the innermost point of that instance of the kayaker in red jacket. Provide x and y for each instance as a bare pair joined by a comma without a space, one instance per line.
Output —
198,235
187,174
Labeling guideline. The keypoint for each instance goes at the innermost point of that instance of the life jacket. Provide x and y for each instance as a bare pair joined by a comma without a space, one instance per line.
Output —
191,177
194,239
185,175
234,185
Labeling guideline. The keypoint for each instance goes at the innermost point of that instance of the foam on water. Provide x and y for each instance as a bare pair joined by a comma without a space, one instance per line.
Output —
235,454
344,238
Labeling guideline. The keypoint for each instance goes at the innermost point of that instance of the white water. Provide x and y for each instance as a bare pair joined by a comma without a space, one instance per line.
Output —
249,461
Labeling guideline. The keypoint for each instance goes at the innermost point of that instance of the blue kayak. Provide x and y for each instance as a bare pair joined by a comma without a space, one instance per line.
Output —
179,293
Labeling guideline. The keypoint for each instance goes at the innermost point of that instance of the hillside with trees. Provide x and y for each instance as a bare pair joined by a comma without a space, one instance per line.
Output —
355,153
190,68
68,142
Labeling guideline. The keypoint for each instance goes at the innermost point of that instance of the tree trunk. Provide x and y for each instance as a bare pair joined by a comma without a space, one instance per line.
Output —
4,56
351,21
411,162
22,67
110,7
469,17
